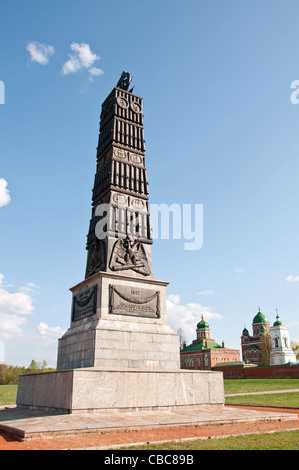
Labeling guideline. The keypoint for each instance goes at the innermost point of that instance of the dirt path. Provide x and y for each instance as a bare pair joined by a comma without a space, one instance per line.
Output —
108,440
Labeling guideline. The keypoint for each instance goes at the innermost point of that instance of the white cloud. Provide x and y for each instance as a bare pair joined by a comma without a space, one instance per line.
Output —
239,270
39,52
94,71
174,298
84,53
48,335
71,66
14,307
2,352
187,316
29,288
16,303
82,57
4,193
292,279
39,344
206,292
10,325
21,346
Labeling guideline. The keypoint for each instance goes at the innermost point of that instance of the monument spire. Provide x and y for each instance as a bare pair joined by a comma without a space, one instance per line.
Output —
119,235
119,352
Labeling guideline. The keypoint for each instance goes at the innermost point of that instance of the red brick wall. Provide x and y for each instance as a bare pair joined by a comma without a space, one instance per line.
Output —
272,372
231,372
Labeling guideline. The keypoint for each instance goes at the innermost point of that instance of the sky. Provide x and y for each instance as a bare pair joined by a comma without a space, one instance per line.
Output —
221,122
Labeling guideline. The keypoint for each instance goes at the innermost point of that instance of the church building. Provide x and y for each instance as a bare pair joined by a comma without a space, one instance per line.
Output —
281,352
204,353
251,345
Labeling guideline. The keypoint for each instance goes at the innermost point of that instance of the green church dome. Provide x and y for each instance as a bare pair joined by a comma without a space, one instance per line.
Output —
245,332
260,318
202,325
262,329
278,321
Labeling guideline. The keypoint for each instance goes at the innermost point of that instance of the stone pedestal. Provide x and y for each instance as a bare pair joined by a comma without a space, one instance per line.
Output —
95,389
124,326
119,354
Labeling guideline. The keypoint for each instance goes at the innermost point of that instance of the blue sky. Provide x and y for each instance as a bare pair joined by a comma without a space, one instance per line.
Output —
220,131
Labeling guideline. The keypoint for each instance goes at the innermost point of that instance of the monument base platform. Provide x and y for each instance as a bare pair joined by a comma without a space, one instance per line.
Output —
94,389
114,430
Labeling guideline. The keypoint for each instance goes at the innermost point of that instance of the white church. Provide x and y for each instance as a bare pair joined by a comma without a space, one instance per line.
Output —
282,352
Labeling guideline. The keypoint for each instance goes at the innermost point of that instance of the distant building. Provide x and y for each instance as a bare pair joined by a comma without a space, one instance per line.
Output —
282,352
251,345
204,353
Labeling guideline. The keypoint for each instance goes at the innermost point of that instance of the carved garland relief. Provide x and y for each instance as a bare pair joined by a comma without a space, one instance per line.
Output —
135,301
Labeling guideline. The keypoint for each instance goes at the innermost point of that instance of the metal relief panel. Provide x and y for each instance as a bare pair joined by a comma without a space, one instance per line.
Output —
85,304
135,301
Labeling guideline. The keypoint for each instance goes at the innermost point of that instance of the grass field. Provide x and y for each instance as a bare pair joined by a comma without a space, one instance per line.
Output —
258,385
274,399
8,394
277,441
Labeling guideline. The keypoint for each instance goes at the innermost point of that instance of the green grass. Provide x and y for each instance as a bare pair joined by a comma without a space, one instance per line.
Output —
274,399
8,394
288,440
258,385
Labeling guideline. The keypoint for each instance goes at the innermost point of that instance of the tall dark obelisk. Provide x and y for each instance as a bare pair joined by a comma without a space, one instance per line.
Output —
119,352
121,183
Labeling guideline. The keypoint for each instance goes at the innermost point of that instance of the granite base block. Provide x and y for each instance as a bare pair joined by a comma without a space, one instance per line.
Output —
93,389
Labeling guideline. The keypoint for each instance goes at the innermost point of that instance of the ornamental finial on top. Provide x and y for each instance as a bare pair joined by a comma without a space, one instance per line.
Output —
124,81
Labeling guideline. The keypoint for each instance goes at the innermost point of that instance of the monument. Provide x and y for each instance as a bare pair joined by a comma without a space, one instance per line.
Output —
119,352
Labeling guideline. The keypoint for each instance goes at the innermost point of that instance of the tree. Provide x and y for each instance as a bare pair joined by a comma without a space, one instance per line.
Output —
295,348
181,334
265,348
33,366
3,374
10,374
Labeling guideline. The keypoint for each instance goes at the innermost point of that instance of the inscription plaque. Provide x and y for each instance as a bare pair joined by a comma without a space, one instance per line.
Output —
85,304
138,302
